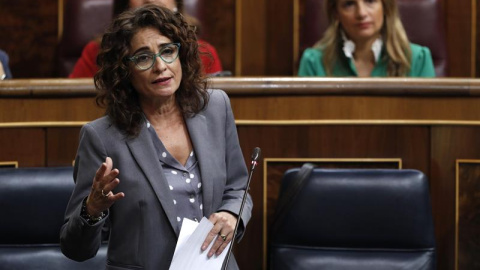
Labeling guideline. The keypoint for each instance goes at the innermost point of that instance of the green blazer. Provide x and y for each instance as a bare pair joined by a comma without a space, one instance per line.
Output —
311,64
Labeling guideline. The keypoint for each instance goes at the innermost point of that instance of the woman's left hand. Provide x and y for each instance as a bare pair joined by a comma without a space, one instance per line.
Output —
223,227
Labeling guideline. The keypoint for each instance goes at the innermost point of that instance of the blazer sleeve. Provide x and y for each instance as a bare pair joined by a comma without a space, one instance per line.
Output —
6,68
237,174
311,63
80,241
422,62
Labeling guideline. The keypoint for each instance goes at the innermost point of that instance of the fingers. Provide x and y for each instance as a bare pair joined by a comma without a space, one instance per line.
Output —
105,172
108,186
218,222
110,198
105,177
109,163
101,196
116,197
221,233
220,244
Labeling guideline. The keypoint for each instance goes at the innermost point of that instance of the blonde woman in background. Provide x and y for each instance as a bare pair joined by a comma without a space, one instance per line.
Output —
365,38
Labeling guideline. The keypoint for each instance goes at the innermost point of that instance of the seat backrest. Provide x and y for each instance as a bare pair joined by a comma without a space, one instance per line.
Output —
83,20
422,20
33,203
198,9
356,219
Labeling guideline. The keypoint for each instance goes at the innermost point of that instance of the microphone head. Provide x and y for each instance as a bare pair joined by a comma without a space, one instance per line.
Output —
256,153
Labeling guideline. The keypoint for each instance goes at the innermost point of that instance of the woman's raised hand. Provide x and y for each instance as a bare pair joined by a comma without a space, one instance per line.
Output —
101,196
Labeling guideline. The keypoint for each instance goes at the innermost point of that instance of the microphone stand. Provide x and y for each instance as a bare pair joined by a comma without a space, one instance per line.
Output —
255,157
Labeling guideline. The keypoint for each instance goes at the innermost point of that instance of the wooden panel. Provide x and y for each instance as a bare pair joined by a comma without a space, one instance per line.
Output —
267,108
468,216
447,145
49,109
23,145
8,164
459,30
62,146
218,27
338,107
279,41
268,99
252,38
29,36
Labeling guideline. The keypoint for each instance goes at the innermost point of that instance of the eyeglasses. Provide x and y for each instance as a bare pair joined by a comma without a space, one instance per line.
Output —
168,53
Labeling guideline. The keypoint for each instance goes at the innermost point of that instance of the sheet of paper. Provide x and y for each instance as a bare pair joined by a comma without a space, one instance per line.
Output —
188,253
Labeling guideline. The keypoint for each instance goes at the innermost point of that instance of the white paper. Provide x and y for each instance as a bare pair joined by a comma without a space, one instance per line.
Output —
188,253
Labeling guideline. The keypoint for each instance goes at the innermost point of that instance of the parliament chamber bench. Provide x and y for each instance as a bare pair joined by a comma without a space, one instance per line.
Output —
430,125
33,203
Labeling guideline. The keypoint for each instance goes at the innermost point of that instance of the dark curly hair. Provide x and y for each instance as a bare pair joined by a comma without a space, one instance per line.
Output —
115,91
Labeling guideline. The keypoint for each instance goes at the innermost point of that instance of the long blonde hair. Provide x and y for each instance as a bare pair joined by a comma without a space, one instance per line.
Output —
394,36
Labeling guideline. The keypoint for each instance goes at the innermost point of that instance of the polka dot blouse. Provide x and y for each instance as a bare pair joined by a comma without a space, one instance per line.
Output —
183,181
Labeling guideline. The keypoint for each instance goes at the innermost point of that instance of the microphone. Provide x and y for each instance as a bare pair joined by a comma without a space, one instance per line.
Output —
255,156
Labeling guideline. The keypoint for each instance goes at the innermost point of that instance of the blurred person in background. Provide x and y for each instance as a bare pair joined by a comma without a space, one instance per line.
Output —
365,38
5,72
86,65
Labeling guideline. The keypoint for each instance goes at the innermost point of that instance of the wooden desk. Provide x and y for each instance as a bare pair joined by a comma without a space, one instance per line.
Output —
432,125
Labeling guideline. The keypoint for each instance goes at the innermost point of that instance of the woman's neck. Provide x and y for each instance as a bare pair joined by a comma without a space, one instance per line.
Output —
363,50
364,57
160,109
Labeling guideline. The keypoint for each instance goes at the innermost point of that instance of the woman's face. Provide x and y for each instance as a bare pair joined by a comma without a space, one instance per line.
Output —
361,20
170,4
162,79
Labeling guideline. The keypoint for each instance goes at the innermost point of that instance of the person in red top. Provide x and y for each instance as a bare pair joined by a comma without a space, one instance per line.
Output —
86,65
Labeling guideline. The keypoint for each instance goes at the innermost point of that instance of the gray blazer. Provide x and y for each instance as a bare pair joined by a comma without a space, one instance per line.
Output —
143,226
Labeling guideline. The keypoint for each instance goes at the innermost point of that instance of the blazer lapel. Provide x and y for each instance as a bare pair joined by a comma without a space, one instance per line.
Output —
203,145
144,153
